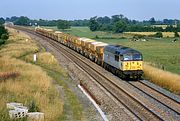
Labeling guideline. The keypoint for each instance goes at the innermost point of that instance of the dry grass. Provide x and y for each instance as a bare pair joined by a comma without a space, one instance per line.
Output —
44,58
33,84
165,34
163,78
71,103
18,45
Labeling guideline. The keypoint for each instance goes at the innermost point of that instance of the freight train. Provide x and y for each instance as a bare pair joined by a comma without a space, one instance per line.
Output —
125,62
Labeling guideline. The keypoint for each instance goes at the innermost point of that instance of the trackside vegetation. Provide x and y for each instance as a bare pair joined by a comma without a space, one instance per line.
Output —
4,35
35,84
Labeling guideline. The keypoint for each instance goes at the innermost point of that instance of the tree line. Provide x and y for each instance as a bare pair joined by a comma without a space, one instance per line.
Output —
115,23
25,21
119,24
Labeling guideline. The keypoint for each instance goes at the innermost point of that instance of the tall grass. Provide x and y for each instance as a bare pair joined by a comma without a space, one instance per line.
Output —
32,84
71,103
163,78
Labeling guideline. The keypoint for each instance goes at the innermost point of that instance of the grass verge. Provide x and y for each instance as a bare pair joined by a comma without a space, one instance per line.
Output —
35,83
72,107
163,78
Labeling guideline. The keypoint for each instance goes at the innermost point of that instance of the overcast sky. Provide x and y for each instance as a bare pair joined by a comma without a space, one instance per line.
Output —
84,9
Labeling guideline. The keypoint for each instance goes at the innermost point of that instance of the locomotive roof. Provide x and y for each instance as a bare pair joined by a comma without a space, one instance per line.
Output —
119,49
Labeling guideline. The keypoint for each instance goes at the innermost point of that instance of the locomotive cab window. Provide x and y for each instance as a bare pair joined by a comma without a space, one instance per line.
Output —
128,57
121,57
137,57
116,57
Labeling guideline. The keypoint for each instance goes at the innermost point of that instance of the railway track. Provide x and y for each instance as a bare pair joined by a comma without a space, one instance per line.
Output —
174,99
130,101
160,97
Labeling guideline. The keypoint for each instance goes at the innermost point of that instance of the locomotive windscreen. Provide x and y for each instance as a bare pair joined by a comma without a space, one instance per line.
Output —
130,57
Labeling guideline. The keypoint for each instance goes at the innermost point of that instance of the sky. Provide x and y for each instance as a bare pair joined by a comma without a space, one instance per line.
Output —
84,9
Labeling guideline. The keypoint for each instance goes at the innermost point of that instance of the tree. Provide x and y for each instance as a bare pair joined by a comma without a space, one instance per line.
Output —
93,24
176,34
2,21
2,30
3,35
22,21
84,22
14,18
115,18
8,19
158,34
120,26
152,20
103,20
63,24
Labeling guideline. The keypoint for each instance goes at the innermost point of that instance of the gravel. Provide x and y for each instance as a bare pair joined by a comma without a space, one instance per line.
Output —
160,89
168,114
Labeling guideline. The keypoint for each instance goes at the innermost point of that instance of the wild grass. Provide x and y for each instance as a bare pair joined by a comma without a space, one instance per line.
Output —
72,105
163,78
40,77
32,84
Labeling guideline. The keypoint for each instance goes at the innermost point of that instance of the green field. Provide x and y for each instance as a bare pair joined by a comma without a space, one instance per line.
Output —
162,53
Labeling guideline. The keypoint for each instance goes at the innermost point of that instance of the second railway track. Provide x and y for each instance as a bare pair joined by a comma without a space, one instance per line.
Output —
158,96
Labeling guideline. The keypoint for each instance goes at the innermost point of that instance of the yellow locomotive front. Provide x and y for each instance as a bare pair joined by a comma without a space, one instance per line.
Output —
132,64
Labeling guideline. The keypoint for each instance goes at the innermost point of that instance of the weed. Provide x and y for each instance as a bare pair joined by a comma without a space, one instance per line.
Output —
33,107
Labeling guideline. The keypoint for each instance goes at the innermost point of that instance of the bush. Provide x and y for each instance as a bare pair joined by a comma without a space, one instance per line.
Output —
2,42
158,35
96,37
176,34
5,36
3,33
138,36
33,107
